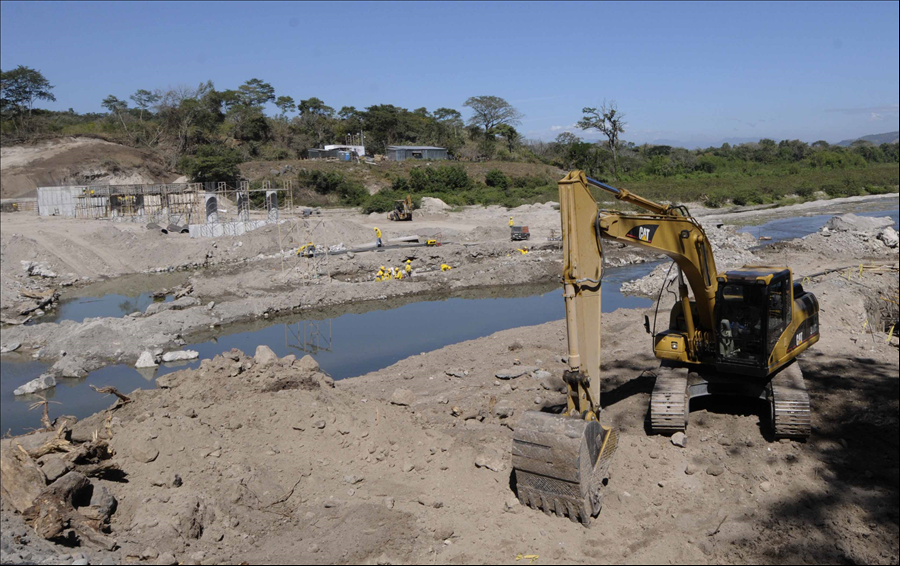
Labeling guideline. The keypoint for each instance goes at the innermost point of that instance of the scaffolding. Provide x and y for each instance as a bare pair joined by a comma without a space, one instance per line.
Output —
178,203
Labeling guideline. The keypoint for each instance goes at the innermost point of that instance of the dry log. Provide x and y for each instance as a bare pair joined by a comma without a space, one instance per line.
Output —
38,295
54,516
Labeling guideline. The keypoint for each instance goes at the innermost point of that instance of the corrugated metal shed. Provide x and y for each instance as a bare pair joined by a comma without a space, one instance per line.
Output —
425,152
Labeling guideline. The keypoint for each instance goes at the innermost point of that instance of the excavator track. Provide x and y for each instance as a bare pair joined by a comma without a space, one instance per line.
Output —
790,403
669,402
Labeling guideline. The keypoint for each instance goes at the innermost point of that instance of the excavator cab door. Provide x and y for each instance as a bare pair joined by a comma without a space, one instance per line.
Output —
752,313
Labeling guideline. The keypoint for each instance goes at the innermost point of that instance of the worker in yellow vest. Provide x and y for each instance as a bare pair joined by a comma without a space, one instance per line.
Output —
445,267
408,267
378,237
510,222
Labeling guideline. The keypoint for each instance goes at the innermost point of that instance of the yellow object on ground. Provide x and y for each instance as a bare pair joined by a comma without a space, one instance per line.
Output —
302,250
445,267
523,250
431,243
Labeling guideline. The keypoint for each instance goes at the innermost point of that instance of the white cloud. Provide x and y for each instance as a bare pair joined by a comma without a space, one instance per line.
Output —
568,128
876,117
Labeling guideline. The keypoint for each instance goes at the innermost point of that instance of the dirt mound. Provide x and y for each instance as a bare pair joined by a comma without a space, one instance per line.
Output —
73,161
431,205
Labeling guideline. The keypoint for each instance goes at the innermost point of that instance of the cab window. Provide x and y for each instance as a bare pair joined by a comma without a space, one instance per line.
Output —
776,313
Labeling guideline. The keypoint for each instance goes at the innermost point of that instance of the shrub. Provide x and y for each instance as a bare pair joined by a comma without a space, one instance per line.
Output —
496,178
805,191
350,193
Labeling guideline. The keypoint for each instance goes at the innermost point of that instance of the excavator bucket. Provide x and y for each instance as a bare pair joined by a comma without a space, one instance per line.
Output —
562,464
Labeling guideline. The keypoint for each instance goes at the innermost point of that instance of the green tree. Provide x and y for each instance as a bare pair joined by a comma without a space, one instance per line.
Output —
144,99
609,122
255,93
19,89
211,163
509,135
491,111
316,118
116,107
285,104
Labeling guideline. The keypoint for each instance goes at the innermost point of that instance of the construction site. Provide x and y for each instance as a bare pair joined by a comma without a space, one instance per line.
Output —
205,373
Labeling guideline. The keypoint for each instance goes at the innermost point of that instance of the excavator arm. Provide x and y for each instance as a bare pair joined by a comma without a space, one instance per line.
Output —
562,461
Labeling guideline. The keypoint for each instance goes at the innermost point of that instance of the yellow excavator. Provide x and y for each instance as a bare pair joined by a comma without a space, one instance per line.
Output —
739,334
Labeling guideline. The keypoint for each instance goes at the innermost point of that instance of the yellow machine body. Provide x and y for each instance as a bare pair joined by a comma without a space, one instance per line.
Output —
747,324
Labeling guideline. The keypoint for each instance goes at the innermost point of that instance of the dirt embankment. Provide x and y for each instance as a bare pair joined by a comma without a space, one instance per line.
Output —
260,459
76,161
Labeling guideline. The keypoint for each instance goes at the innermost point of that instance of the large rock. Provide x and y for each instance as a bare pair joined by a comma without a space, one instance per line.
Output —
514,372
38,269
144,452
146,360
490,459
69,366
264,355
503,409
180,355
11,347
307,365
403,397
45,381
21,478
55,467
889,237
853,223
176,305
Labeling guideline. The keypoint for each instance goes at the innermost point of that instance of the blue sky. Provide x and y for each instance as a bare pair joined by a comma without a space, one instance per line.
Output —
696,73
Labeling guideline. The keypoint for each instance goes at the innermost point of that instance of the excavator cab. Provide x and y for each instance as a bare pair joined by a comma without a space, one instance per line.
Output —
763,317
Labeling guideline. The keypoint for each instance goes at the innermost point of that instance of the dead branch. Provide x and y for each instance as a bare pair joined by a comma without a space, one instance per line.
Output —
45,418
109,390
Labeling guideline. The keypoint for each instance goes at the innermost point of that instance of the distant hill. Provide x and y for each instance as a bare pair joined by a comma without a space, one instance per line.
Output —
877,139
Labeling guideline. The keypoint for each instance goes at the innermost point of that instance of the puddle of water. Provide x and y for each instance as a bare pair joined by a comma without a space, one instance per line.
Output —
116,297
799,226
351,341
112,305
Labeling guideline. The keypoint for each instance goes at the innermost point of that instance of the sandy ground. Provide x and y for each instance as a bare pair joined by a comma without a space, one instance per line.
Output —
305,468
277,465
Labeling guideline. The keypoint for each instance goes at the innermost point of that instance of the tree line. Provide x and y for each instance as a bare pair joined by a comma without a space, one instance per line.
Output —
181,122
205,132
